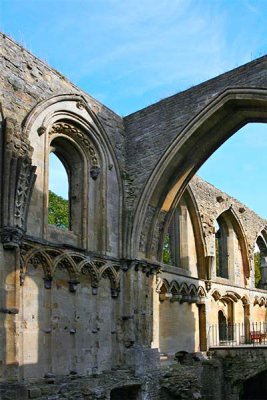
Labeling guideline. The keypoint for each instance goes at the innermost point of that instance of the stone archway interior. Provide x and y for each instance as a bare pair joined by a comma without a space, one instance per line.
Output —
222,326
126,393
255,388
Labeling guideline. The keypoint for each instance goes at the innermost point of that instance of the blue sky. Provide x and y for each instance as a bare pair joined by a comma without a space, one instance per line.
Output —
129,54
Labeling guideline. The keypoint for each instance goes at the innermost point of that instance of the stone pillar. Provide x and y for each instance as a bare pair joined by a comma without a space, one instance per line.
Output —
174,230
212,378
183,229
10,290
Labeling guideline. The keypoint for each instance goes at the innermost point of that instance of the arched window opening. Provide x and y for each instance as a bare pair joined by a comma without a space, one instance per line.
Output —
221,246
260,262
58,194
222,326
257,266
239,165
167,256
179,247
66,180
226,320
230,249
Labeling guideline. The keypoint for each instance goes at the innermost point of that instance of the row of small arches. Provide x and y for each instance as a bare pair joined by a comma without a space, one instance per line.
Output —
180,291
76,264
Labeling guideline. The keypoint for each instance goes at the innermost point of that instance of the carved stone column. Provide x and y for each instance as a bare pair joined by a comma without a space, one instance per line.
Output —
17,181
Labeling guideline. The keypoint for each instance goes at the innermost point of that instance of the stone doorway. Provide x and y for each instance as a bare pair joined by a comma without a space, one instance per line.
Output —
126,393
255,388
222,326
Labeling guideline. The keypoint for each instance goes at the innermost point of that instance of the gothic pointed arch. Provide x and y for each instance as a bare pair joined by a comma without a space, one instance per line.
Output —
231,228
65,262
174,287
172,206
211,127
68,126
260,259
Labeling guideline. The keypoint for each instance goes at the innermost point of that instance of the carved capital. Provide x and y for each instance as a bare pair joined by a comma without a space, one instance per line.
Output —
11,237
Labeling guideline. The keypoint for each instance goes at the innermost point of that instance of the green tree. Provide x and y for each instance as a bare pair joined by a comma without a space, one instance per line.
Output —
58,211
257,265
166,250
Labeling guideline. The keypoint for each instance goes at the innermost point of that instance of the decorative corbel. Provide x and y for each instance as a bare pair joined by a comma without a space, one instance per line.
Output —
94,172
73,286
209,262
48,282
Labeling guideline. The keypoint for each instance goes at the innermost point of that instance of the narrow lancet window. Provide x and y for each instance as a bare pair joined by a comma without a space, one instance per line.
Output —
167,259
58,195
260,262
221,245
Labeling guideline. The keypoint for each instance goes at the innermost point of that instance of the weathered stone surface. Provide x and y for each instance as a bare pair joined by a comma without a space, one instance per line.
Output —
86,311
151,131
34,393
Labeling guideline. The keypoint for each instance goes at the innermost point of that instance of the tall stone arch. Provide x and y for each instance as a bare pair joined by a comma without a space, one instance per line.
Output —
202,136
232,221
69,119
170,205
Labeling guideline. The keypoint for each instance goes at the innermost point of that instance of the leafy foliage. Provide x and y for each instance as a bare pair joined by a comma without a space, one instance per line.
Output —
257,265
166,250
58,211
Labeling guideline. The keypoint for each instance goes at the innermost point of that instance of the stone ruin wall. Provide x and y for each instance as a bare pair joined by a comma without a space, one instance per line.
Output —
45,324
151,130
55,319
26,80
212,202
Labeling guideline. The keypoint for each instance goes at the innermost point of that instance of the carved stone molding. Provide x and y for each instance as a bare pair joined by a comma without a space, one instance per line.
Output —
180,291
75,263
11,237
146,267
15,140
72,131
81,105
17,179
79,264
24,187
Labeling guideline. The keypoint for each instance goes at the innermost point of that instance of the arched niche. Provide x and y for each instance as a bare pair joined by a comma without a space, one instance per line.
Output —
73,157
206,132
260,260
183,226
58,172
35,318
67,124
231,257
254,388
129,392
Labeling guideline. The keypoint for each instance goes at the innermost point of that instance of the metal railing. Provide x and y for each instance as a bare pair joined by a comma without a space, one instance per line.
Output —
246,334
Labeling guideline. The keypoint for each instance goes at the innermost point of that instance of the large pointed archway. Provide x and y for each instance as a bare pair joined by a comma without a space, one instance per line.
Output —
255,388
202,136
